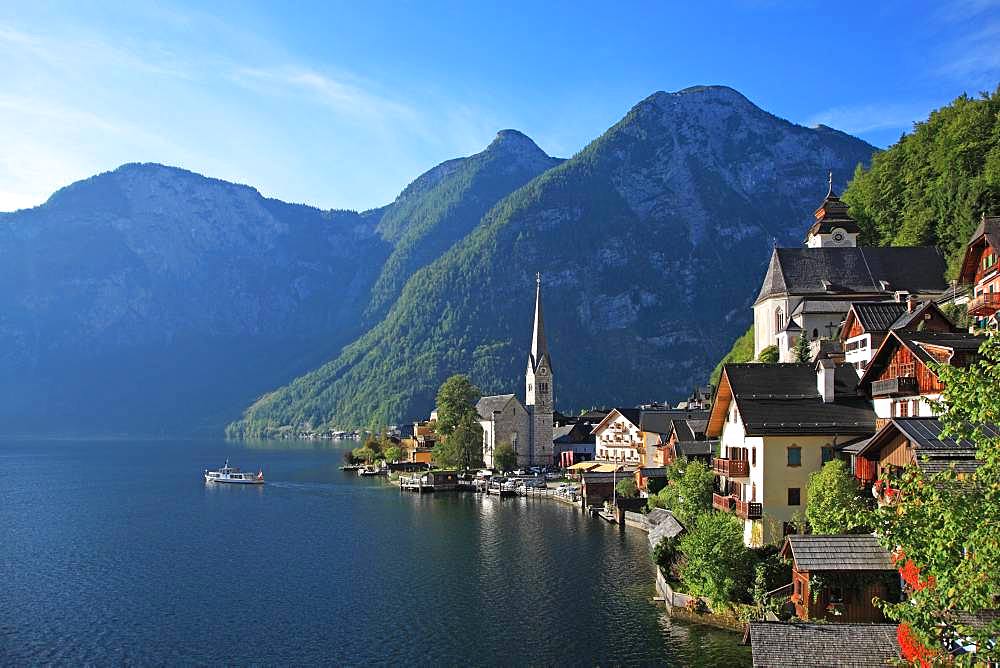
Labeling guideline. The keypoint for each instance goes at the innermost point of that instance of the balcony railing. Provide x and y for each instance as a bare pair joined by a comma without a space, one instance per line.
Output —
748,510
722,502
731,468
895,387
985,304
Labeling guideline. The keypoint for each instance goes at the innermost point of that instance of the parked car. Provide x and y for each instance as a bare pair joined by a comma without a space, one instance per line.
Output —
520,472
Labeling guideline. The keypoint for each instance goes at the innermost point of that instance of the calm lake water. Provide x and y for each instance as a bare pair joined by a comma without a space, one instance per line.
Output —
117,552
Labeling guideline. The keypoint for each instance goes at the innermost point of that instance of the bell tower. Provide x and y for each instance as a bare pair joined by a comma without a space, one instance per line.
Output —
538,386
834,227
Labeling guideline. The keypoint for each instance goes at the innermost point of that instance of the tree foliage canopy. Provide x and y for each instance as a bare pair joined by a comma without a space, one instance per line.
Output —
504,457
943,528
688,492
836,504
716,563
456,398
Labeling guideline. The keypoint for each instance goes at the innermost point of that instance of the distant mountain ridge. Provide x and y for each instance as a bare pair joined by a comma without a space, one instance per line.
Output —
651,241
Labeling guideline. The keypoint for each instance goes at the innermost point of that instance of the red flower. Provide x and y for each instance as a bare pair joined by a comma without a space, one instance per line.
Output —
912,649
911,576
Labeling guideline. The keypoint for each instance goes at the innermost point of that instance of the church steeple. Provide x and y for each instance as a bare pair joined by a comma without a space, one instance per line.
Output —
539,347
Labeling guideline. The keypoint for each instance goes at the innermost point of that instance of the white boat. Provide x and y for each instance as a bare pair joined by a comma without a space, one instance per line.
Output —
231,475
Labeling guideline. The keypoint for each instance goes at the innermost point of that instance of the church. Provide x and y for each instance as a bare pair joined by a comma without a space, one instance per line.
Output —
809,290
526,427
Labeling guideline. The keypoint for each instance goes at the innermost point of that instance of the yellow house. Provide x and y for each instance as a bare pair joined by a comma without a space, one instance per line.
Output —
777,424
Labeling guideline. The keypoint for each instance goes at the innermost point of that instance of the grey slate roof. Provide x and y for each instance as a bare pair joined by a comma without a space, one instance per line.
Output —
933,453
989,226
822,306
780,645
487,405
661,421
925,434
838,553
878,316
573,433
694,448
665,525
784,399
907,319
854,270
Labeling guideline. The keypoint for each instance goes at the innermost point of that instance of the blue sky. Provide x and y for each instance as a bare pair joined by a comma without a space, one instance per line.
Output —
340,105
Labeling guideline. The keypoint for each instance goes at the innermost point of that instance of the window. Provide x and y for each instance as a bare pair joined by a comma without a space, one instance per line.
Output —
827,455
753,456
815,333
794,496
836,594
779,320
795,456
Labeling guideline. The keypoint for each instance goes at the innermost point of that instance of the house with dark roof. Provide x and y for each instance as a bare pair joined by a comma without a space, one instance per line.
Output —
807,291
794,645
618,437
572,443
981,270
900,379
867,323
835,578
912,441
777,424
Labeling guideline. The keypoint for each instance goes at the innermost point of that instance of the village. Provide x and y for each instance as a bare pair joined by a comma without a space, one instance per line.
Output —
760,495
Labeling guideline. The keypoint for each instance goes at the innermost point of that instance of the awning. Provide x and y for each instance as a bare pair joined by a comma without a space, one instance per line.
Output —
582,466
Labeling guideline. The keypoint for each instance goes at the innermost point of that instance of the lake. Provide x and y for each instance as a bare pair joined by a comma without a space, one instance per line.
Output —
118,552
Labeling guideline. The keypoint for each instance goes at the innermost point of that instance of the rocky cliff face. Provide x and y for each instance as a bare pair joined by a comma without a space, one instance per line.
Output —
651,242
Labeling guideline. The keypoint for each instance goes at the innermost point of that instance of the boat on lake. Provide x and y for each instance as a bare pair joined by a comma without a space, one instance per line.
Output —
232,475
369,471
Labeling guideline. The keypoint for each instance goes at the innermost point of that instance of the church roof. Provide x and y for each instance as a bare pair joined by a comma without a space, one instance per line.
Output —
853,270
831,214
539,346
486,406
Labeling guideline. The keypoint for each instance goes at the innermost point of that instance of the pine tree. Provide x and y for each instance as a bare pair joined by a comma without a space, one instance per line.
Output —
802,351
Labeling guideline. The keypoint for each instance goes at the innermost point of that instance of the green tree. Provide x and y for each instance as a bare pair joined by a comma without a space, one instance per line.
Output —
393,454
835,501
768,355
463,447
715,563
943,528
801,350
364,454
742,351
626,488
456,398
688,492
504,457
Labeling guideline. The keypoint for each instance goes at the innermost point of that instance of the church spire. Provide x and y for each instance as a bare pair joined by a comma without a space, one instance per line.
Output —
539,348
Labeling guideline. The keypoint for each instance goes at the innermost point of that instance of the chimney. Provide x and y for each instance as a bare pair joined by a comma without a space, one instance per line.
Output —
824,379
901,296
911,303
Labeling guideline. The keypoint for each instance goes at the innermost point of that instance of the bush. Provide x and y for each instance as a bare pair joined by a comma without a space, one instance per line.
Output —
768,355
716,563
626,489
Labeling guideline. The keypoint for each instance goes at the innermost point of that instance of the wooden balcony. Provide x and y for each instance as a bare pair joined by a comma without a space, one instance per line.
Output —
731,468
901,386
722,502
985,304
748,510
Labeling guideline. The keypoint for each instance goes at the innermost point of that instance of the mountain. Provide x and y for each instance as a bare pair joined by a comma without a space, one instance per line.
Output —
446,203
151,300
651,242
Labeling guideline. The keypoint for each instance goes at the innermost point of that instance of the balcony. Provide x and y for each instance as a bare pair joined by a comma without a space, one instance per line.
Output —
722,502
900,386
748,510
985,304
731,468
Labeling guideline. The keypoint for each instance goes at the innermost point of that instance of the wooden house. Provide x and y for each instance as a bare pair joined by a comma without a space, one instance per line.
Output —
867,324
835,578
442,480
619,437
794,645
900,379
981,270
910,441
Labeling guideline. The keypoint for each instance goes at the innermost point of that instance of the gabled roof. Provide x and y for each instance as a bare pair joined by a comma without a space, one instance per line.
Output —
934,453
860,270
920,344
572,433
986,234
877,316
486,406
664,524
694,448
633,415
662,421
911,319
781,645
837,553
785,399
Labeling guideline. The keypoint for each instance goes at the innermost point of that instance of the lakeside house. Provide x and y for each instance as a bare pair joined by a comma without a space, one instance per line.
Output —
527,427
793,645
867,324
686,439
912,441
573,443
900,379
778,423
981,270
835,577
808,291
618,437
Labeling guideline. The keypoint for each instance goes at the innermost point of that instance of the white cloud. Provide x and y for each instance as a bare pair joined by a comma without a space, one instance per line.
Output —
859,119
